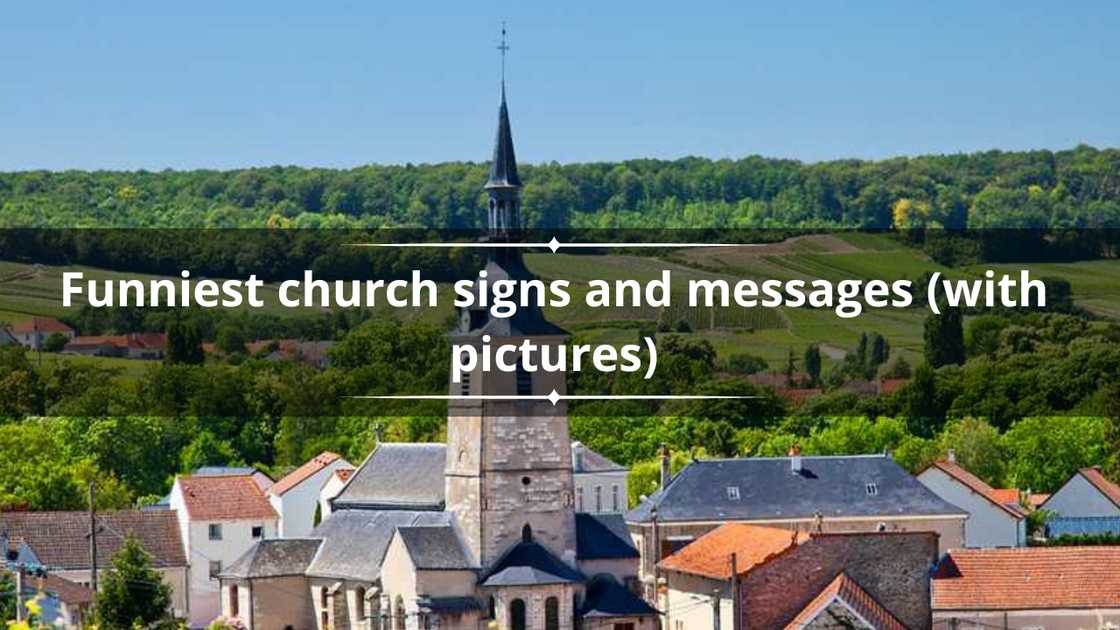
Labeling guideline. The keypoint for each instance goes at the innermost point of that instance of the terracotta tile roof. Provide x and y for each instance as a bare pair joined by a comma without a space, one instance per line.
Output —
1100,482
59,538
1005,495
40,324
138,341
1036,500
977,485
891,385
218,498
70,592
845,589
1028,578
299,475
710,555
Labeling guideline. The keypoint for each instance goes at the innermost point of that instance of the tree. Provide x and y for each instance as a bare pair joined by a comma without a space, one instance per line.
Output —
207,450
55,342
880,352
791,368
944,337
184,343
813,364
132,591
231,339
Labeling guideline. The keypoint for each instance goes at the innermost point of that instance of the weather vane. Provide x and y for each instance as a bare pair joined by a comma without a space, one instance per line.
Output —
503,47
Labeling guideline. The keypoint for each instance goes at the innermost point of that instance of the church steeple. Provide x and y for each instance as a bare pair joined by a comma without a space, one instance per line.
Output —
504,185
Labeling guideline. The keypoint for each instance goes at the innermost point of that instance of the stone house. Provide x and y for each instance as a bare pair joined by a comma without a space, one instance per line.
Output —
295,497
829,494
220,518
995,518
787,579
600,483
64,604
1087,503
1056,588
59,541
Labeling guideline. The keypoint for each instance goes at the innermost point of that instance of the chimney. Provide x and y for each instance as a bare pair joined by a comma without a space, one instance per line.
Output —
795,459
951,455
666,471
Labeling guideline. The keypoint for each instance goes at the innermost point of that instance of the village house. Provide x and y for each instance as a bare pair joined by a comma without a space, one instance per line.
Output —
6,338
1051,588
481,529
600,483
1087,503
777,578
148,346
995,517
295,497
334,484
830,494
33,333
62,603
220,518
313,353
59,541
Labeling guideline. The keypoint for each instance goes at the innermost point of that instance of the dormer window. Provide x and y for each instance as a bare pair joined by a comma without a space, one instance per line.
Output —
872,489
733,493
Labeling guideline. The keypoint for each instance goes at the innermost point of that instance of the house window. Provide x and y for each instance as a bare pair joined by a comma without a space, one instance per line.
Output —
872,489
551,614
516,614
614,498
215,568
624,626
258,531
733,493
598,498
579,498
233,601
215,531
524,381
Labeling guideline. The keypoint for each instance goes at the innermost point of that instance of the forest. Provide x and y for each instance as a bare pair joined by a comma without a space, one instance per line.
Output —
1076,188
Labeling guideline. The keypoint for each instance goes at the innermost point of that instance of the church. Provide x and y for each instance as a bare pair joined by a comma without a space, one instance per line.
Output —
479,532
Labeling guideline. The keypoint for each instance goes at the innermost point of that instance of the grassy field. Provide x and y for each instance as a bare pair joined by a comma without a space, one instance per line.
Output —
769,333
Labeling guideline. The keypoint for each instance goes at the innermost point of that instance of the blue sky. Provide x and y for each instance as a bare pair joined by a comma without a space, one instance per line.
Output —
228,84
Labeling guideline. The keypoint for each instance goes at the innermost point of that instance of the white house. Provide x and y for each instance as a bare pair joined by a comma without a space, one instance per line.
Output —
34,332
220,518
600,484
1088,503
334,485
993,520
296,496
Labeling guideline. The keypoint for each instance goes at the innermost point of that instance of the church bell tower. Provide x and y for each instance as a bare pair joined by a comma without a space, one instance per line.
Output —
509,464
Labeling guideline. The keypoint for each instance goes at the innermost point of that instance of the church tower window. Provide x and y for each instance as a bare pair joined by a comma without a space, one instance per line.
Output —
552,614
524,381
517,614
527,533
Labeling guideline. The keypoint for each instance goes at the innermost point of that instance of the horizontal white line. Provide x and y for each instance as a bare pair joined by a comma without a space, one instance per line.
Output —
551,246
553,397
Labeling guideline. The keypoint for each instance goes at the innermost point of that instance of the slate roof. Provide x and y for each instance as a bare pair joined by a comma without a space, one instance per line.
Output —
503,165
355,541
224,498
397,476
304,472
767,488
529,563
607,598
585,460
447,604
846,590
603,536
1028,578
435,548
998,498
274,557
709,555
58,539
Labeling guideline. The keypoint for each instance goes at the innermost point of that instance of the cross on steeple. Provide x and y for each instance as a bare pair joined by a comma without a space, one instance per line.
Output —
503,47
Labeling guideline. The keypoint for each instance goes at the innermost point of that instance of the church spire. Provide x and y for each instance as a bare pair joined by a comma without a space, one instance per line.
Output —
503,186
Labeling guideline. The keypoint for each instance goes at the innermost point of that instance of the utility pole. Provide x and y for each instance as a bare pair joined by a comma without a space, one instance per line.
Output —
736,622
19,592
715,610
92,538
